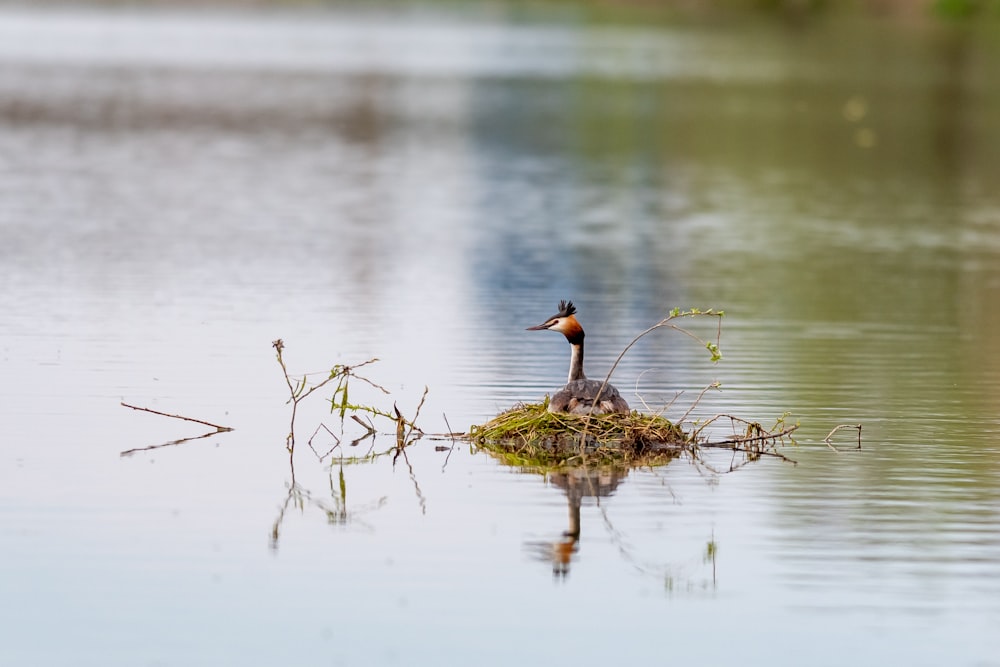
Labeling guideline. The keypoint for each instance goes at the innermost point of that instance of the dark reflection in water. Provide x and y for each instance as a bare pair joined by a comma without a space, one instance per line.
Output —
578,484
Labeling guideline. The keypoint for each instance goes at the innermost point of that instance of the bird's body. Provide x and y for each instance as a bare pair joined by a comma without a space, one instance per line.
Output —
579,396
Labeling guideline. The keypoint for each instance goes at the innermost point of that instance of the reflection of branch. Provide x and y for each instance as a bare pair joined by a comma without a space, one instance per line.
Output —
404,438
130,452
336,513
294,493
357,441
667,571
218,429
416,485
618,540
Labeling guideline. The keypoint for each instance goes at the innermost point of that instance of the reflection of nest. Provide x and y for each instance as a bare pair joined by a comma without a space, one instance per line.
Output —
580,483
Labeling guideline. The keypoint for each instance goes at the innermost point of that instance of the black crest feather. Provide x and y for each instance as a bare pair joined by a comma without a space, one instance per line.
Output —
566,308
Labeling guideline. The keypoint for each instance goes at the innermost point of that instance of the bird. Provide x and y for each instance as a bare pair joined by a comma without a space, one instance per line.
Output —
580,396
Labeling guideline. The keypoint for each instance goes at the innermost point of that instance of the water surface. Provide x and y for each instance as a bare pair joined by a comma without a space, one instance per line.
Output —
178,190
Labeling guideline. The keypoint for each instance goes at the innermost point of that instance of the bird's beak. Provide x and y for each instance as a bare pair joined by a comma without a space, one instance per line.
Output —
540,327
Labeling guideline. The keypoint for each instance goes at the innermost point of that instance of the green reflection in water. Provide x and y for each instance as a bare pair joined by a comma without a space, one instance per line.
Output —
830,186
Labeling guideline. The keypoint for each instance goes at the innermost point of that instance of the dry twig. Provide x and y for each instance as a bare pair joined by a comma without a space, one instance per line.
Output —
666,322
837,428
218,429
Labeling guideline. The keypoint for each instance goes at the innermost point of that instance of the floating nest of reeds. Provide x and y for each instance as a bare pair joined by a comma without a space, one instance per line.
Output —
530,435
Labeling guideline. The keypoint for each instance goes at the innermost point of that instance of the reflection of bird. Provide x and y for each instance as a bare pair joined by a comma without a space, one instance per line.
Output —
578,483
580,394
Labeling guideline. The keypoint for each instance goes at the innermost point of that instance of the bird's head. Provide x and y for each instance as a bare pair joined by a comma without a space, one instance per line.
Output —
564,322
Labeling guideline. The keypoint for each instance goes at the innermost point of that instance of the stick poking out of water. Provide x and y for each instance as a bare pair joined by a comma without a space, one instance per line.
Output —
219,429
828,437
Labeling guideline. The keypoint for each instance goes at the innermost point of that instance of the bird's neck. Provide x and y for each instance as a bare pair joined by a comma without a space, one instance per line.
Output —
576,361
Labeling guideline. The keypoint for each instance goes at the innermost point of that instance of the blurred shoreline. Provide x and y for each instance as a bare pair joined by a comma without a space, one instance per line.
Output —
911,13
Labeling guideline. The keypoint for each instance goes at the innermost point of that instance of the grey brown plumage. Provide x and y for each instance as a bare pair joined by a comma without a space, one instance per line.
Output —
579,396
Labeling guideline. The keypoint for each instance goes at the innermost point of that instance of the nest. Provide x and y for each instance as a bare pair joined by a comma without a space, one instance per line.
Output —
530,435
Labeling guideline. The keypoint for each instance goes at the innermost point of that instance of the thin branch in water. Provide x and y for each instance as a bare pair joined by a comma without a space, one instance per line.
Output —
701,394
400,432
635,390
666,406
298,391
218,429
413,424
364,379
642,399
369,427
764,437
837,428
332,435
452,448
666,322
370,432
357,441
752,443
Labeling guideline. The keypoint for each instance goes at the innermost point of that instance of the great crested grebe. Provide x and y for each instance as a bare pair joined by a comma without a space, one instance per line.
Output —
580,395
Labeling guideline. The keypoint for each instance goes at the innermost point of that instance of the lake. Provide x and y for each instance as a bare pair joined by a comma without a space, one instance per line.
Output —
179,189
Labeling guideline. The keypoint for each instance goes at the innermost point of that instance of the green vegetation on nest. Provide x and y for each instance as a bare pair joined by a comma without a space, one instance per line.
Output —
530,435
